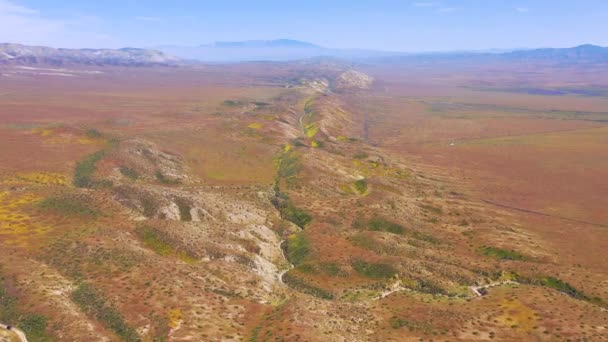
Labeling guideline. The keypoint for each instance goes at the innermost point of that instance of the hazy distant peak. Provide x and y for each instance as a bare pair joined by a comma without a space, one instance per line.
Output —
277,43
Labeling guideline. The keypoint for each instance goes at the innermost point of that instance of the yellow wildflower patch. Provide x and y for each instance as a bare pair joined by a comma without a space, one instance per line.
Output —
174,317
255,125
16,225
43,132
311,130
46,178
517,315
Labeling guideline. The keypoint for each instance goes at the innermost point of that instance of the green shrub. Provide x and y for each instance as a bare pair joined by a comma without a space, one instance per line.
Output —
373,270
502,254
435,210
332,269
304,287
232,103
129,172
425,237
297,142
184,209
424,327
288,165
164,179
83,174
564,287
93,133
366,242
360,155
361,186
65,205
298,248
162,245
297,216
34,326
380,224
429,287
93,304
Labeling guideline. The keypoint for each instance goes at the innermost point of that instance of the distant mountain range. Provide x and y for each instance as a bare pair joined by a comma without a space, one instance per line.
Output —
285,49
278,50
589,53
24,54
266,50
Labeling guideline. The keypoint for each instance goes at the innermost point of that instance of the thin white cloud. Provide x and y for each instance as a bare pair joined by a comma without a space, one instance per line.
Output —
8,7
151,19
26,25
522,9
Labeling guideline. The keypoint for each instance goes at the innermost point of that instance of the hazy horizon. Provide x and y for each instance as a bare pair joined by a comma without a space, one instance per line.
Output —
386,25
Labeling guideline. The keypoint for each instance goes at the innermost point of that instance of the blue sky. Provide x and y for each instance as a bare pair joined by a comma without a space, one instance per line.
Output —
397,25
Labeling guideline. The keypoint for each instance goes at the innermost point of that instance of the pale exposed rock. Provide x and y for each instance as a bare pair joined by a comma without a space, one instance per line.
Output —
353,79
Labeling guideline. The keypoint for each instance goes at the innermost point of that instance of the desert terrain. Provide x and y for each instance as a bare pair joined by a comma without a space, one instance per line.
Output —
304,201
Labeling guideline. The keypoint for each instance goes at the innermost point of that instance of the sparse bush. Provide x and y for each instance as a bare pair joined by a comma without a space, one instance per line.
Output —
424,327
427,286
317,144
129,172
288,165
162,245
164,179
93,304
297,216
502,254
360,155
33,325
380,224
298,248
66,205
373,270
83,174
184,209
232,103
425,237
564,287
93,133
332,269
304,287
366,242
361,186
434,210
297,142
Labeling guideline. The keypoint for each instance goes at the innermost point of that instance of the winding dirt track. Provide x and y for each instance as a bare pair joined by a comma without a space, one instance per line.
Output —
544,214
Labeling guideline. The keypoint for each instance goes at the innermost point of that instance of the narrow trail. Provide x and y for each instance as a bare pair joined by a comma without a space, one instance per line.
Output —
476,289
457,141
20,334
397,286
544,214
